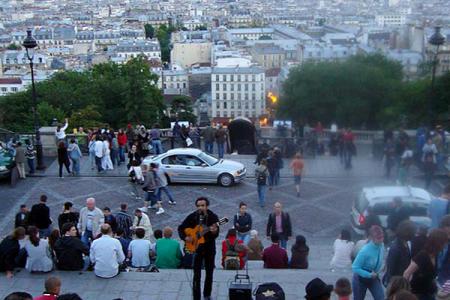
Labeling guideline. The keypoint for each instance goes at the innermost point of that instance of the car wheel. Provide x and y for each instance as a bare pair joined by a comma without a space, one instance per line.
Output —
226,180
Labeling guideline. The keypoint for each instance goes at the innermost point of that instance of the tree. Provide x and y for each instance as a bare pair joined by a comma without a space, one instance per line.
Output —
13,47
163,34
181,108
351,93
149,31
265,37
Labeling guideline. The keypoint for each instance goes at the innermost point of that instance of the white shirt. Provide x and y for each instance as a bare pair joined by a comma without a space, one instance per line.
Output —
140,250
61,134
99,148
106,254
342,257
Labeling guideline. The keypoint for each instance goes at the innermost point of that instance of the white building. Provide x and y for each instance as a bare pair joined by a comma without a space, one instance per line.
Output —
237,91
10,85
251,33
387,20
175,82
128,49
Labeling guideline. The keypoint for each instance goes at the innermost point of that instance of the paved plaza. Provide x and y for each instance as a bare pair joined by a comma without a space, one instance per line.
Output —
327,194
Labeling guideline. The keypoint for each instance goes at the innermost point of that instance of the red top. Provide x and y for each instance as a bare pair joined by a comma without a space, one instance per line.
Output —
122,139
275,257
231,240
348,137
46,297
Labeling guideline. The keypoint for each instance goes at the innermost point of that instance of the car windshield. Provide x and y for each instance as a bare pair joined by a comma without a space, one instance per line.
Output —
210,160
415,207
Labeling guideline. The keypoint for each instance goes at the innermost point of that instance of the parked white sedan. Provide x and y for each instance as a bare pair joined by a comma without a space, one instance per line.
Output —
194,165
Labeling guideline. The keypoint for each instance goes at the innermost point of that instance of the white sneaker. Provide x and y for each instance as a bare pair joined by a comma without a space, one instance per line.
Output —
160,211
172,202
144,209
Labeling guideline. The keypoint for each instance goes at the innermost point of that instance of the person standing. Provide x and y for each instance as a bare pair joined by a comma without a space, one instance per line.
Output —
221,139
439,207
106,159
279,223
243,223
20,159
106,254
99,151
91,218
122,141
399,254
397,214
114,148
272,168
40,217
422,270
75,156
151,186
349,148
389,157
205,252
278,165
163,186
194,134
261,174
30,154
209,135
155,135
406,160
367,266
60,133
63,159
429,152
297,166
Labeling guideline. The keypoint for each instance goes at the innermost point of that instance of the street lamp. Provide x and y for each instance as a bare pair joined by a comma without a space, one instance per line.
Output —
437,40
30,44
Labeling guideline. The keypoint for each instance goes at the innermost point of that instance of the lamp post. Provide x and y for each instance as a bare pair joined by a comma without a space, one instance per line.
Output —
437,40
30,44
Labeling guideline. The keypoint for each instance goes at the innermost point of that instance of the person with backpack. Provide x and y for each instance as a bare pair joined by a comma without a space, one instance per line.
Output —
233,252
261,174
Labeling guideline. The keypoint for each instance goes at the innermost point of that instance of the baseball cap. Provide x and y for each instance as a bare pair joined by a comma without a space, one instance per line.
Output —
317,288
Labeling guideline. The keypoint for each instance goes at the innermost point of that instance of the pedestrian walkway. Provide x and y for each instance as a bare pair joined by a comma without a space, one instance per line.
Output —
321,166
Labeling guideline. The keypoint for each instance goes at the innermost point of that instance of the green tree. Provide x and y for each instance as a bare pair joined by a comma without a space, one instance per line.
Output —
351,93
13,47
87,117
163,34
149,31
181,109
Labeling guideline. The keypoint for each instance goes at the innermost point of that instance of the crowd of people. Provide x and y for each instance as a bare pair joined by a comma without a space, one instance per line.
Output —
397,259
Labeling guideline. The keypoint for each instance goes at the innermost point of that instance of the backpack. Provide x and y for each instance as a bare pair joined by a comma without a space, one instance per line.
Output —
261,179
232,260
269,290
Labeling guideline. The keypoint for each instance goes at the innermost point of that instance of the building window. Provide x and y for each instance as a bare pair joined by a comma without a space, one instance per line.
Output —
253,77
231,96
253,96
225,114
217,86
217,96
246,87
224,86
253,87
224,77
217,114
239,87
218,105
184,85
232,104
253,105
231,77
13,89
246,105
217,78
239,78
239,97
225,105
4,89
224,96
232,114
239,105
246,96
232,87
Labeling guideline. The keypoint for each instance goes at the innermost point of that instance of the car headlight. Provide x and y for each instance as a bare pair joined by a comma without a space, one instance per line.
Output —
3,168
239,172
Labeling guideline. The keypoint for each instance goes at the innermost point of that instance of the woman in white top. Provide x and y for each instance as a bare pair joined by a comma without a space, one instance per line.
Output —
342,249
38,252
60,133
106,159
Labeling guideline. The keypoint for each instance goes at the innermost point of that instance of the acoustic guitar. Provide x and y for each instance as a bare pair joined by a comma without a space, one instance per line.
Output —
197,234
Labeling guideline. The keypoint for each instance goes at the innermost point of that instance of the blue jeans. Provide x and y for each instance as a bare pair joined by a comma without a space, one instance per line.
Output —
87,234
276,179
245,237
220,149
167,191
121,154
86,262
31,165
114,156
44,233
272,179
360,288
283,243
261,194
209,147
157,147
76,166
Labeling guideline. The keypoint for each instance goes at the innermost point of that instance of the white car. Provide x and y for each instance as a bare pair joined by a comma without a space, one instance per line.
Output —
189,165
380,200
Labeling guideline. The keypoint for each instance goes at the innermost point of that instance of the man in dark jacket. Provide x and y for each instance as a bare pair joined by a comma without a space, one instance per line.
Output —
209,134
205,252
69,250
221,139
40,217
22,217
124,221
398,214
279,223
